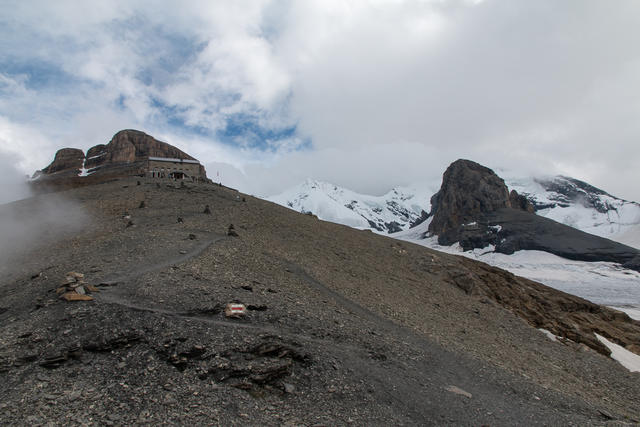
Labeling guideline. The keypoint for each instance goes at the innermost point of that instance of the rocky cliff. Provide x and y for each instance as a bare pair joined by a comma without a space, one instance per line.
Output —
129,146
66,159
469,190
123,156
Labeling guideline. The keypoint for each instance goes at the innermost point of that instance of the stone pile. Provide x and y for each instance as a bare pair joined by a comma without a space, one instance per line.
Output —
74,288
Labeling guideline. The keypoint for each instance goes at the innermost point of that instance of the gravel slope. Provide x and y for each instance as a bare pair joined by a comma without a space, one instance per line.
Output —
346,327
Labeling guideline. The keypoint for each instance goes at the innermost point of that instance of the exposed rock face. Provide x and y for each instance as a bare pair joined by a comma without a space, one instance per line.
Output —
565,191
129,146
468,191
67,158
95,156
474,208
518,201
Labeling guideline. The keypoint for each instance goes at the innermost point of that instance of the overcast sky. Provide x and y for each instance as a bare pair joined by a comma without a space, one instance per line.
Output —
365,94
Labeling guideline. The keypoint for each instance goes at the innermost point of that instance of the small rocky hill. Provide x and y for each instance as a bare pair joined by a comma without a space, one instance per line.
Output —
475,208
125,155
124,322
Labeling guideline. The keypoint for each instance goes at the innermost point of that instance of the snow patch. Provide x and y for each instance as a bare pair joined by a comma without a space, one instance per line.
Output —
631,311
548,334
629,360
84,171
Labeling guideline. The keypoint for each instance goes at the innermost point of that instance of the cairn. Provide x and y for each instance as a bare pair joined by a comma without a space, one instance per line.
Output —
232,231
207,210
74,288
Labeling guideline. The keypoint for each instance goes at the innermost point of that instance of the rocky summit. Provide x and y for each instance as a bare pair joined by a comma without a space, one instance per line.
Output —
475,209
129,153
149,310
469,190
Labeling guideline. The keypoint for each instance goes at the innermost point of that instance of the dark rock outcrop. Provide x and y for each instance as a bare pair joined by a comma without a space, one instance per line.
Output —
469,191
474,208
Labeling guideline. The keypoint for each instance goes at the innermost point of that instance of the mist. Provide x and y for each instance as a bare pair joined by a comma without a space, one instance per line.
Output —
29,222
15,186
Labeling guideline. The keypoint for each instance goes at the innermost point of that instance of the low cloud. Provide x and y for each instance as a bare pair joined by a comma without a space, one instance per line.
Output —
27,221
14,182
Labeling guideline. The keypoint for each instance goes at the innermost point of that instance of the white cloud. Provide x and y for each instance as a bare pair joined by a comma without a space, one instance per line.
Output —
386,91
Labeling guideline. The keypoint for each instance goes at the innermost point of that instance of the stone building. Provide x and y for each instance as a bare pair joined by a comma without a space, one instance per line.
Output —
165,167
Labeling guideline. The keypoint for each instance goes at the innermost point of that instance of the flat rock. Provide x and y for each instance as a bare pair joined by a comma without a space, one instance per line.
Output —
74,296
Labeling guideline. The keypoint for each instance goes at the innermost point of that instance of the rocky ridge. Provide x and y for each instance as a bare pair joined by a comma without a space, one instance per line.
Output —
130,146
123,156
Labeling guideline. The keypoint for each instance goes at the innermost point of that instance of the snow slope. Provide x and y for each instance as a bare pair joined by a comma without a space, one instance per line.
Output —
582,206
392,212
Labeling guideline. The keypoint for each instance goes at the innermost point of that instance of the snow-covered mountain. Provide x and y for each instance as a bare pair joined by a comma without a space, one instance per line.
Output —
582,206
389,213
563,199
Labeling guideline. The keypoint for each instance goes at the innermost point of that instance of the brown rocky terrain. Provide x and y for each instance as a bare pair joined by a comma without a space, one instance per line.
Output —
342,326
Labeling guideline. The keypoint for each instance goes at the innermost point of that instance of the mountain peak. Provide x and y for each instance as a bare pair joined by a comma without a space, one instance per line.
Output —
469,190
